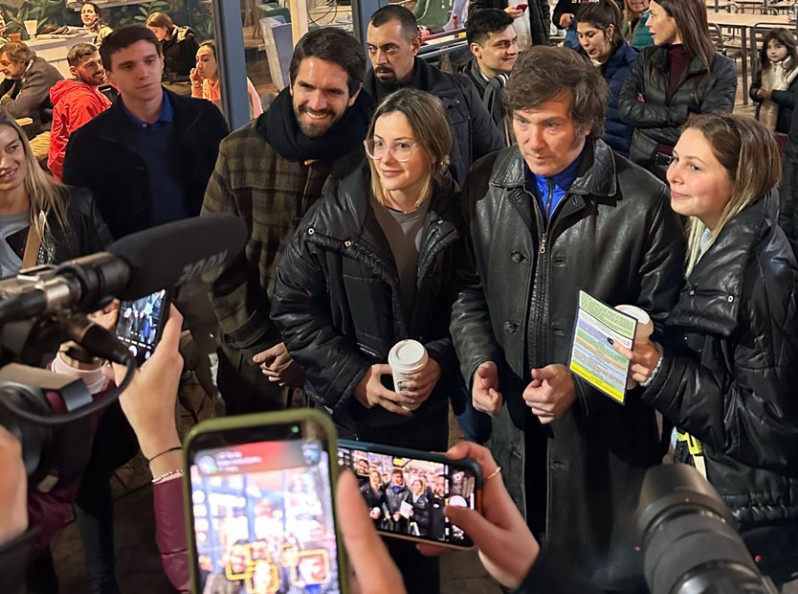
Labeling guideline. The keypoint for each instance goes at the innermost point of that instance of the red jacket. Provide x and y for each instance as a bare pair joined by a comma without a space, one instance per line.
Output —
75,103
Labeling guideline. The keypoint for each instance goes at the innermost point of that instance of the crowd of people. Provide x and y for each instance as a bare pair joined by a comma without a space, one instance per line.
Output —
464,211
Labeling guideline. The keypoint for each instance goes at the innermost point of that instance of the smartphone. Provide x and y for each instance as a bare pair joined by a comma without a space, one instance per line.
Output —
259,504
521,7
140,323
406,490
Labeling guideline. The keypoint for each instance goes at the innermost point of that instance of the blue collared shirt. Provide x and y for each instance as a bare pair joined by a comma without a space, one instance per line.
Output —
550,191
165,117
157,143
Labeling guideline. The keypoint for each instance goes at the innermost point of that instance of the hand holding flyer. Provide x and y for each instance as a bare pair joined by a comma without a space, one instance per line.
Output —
592,356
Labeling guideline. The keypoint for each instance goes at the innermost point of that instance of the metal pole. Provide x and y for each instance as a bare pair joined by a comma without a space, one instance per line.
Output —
232,65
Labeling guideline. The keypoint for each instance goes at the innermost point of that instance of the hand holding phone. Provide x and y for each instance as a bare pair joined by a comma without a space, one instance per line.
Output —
149,401
259,500
375,571
140,323
411,489
499,523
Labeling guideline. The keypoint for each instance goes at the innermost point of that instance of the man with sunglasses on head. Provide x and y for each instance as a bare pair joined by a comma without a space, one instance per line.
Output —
269,173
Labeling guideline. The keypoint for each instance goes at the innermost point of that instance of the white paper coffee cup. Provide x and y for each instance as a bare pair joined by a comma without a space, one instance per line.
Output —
406,357
645,328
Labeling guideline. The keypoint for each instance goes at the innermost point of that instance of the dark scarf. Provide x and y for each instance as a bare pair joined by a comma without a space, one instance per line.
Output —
281,130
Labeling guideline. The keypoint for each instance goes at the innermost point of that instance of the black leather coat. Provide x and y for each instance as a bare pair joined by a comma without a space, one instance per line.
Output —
659,121
731,369
337,306
614,236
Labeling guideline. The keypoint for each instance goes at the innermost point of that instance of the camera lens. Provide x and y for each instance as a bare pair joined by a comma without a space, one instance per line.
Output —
689,537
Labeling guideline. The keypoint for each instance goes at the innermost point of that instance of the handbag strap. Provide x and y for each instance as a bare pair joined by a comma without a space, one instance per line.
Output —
31,247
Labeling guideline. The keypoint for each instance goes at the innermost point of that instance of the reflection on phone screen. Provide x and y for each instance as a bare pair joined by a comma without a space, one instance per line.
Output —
407,496
139,324
263,518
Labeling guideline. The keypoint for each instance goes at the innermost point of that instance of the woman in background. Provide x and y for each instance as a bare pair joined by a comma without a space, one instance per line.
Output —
92,19
634,29
599,28
726,372
205,82
179,45
681,75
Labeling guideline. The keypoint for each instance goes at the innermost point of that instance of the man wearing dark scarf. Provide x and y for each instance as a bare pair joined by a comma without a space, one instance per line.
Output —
269,173
393,43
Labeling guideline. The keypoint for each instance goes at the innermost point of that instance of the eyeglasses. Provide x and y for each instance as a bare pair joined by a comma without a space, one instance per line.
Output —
400,149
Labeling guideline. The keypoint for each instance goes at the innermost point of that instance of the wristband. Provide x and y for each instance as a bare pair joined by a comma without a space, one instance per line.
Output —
166,451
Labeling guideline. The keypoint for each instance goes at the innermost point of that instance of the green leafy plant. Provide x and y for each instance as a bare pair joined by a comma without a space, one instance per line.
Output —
44,11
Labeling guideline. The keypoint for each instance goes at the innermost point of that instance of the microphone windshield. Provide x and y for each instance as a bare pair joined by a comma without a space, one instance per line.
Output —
171,254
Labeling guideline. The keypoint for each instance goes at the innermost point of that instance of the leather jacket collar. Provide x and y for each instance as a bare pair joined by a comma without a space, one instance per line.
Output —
596,175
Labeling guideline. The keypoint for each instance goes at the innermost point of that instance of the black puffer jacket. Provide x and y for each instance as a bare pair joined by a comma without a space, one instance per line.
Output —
731,370
336,301
86,232
659,121
474,133
788,190
614,236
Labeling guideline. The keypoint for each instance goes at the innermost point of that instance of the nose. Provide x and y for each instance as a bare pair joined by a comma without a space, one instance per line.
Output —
316,100
380,57
673,174
534,137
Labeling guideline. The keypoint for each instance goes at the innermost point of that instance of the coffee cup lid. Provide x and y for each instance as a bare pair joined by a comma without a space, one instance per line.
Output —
408,352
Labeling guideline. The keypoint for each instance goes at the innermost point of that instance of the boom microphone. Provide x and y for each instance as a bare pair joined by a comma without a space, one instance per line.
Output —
132,268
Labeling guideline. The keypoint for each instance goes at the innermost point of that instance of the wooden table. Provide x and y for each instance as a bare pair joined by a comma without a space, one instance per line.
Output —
744,22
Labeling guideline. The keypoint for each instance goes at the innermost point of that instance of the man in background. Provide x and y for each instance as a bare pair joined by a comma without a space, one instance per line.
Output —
75,101
493,43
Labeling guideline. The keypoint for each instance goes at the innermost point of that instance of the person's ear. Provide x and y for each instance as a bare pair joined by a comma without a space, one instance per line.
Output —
416,43
610,31
476,50
354,95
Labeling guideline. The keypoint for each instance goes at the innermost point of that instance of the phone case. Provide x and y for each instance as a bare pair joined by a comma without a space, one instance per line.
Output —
227,424
397,452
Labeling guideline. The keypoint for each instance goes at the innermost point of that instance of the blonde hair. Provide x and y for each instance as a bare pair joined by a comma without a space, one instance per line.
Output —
750,155
426,116
45,194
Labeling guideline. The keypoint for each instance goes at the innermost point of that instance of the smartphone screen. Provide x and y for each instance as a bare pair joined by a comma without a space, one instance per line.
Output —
406,491
140,324
263,516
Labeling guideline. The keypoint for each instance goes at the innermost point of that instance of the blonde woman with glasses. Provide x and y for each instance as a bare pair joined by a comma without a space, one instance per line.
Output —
371,264
728,369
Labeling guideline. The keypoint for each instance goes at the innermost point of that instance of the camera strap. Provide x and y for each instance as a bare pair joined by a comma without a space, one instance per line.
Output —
31,248
695,449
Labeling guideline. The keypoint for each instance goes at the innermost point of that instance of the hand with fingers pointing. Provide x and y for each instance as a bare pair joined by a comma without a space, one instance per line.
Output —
550,393
485,389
